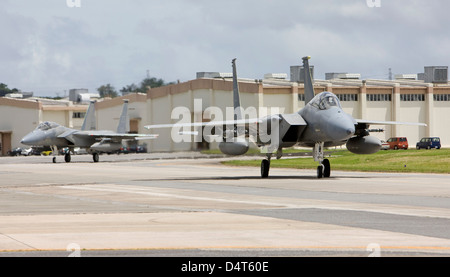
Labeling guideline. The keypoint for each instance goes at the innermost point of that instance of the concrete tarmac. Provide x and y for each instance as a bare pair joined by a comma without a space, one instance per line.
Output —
186,204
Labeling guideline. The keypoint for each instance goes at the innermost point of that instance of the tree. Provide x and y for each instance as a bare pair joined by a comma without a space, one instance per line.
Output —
107,91
149,82
4,90
130,89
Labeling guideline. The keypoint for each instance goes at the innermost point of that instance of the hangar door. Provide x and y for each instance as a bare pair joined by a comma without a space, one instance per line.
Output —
5,142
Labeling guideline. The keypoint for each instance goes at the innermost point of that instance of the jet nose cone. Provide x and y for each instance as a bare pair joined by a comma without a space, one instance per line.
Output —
28,139
341,129
25,141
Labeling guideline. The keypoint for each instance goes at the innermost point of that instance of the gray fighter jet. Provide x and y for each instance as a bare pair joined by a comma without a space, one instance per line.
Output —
321,123
56,136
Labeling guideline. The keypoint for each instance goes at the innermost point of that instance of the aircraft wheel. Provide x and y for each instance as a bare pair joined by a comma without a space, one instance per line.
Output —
265,166
95,157
320,171
67,158
54,160
326,168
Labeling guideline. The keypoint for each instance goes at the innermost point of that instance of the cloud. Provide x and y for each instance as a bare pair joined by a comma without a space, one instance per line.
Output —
52,48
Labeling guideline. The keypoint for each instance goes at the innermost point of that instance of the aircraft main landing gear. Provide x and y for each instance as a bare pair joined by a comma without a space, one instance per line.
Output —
67,158
265,166
95,157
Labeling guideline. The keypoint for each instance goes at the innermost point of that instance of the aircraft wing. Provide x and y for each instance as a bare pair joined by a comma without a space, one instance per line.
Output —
377,122
363,125
203,124
98,135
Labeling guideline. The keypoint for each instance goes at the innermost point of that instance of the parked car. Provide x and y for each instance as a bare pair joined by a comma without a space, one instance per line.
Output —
15,152
429,142
63,151
27,151
384,145
46,153
398,143
79,151
137,149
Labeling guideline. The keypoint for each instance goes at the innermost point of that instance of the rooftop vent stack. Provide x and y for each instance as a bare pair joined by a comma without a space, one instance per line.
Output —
406,76
276,76
343,76
436,74
213,75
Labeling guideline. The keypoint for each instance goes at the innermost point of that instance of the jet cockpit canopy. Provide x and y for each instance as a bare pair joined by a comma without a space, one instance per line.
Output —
325,100
47,125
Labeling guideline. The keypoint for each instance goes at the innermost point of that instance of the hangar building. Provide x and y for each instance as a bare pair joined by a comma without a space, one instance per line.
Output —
396,100
18,117
403,99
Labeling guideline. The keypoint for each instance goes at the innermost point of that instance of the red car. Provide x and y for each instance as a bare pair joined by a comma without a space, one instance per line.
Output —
398,143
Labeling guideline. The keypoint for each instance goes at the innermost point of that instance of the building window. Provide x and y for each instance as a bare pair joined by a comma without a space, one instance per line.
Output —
78,115
441,97
347,97
301,97
412,97
379,97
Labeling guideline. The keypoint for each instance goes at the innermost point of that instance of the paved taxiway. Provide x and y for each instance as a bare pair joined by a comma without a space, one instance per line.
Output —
151,206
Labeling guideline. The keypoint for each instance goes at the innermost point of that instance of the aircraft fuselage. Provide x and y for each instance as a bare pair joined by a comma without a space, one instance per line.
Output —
332,126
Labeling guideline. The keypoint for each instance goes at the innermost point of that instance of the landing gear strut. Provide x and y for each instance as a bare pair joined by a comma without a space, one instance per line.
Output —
324,169
54,149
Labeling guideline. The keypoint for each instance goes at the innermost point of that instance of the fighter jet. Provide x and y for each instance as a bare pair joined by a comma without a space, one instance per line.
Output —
321,123
54,135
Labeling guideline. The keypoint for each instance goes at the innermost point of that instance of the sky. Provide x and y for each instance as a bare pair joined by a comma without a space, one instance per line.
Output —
51,46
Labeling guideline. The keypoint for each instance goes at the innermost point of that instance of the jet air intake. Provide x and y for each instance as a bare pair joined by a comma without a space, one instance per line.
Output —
364,145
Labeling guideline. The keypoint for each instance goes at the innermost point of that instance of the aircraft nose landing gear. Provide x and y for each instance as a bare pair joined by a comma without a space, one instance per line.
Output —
324,169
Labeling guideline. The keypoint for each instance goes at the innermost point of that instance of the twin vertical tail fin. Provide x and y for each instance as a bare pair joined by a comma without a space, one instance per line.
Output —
309,88
89,123
240,130
236,100
124,122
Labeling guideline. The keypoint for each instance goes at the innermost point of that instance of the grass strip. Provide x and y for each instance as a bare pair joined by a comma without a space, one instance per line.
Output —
412,160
